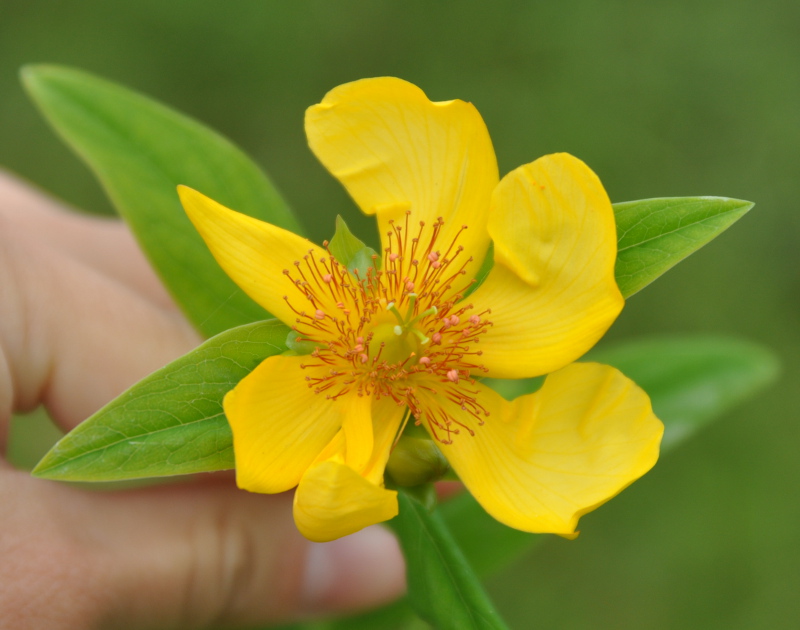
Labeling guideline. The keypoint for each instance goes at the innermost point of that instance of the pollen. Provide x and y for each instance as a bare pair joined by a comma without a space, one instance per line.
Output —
402,330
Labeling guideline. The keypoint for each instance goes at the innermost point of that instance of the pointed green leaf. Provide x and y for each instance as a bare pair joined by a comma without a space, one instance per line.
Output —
442,587
656,234
350,251
140,151
170,423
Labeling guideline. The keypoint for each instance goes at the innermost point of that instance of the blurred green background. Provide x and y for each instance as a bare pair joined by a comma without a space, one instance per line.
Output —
660,99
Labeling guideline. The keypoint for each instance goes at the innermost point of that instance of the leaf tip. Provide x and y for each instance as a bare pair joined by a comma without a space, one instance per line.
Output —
29,75
45,469
32,73
741,206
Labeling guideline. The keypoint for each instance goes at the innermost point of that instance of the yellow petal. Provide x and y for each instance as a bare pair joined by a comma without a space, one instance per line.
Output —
279,425
254,254
387,417
334,499
369,431
357,428
394,150
542,461
552,291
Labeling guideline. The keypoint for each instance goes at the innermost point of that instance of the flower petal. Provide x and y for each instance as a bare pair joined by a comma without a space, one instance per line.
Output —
334,499
552,291
279,425
394,150
387,417
542,461
253,253
357,429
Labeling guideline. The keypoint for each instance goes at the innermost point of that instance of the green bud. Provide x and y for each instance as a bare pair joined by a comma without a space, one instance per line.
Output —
416,461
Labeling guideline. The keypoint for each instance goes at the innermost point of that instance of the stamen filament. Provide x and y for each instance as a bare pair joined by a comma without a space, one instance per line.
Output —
343,313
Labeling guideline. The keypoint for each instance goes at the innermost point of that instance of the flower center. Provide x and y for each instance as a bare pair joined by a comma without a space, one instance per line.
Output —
398,330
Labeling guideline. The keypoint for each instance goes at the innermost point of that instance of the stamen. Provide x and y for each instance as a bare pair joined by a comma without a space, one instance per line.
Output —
422,279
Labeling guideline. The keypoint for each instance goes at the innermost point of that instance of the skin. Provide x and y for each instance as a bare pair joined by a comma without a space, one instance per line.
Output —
83,317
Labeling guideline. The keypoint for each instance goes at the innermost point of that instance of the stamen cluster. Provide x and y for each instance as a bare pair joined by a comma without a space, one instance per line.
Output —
400,331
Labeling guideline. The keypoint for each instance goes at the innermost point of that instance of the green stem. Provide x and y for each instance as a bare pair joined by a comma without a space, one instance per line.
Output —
442,587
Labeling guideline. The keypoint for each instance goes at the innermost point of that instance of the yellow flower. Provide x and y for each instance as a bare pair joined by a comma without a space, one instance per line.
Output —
402,342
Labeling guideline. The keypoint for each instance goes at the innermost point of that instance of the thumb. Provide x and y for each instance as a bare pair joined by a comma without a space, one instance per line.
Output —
191,555
212,555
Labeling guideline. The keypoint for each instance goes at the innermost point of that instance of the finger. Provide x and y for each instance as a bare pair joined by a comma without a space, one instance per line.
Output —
106,245
190,556
71,337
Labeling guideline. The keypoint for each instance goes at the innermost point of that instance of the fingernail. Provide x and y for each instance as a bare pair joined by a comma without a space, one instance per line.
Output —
361,570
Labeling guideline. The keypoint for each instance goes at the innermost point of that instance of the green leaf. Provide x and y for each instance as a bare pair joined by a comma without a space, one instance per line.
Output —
170,423
442,587
693,380
140,151
350,251
656,234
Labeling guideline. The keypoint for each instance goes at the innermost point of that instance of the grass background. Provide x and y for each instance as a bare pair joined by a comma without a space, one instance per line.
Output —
660,99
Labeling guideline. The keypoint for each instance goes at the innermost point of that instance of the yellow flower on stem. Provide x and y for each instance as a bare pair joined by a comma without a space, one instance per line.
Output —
402,343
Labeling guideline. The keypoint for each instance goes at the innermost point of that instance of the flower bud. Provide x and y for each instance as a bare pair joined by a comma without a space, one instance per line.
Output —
416,461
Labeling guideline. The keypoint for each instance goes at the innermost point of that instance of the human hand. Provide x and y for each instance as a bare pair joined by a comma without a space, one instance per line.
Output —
83,317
